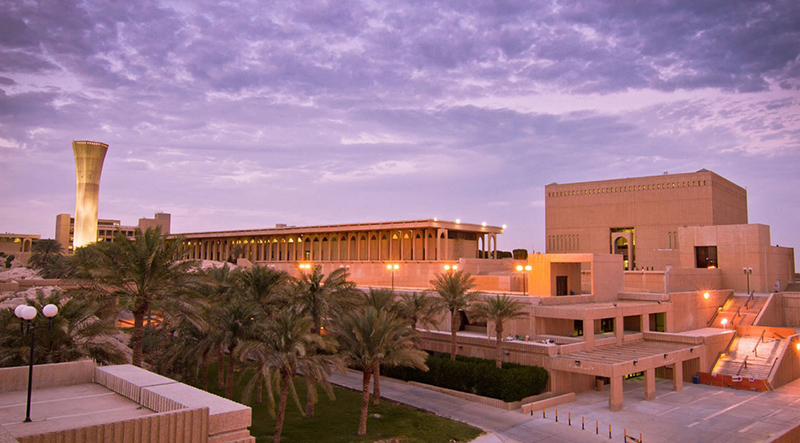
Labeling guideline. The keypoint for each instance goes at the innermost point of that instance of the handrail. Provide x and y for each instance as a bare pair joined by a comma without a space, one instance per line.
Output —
743,366
724,351
759,341
719,309
735,314
752,297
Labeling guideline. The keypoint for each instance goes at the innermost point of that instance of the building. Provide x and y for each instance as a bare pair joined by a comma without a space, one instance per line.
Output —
668,222
81,402
638,217
89,157
107,229
418,248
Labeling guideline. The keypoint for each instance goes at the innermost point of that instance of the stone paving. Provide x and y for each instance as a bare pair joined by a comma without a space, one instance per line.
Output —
699,413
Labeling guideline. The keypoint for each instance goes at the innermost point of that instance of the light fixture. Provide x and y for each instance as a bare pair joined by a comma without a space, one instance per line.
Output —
458,221
528,267
483,224
635,361
706,295
577,362
519,268
504,226
665,355
798,346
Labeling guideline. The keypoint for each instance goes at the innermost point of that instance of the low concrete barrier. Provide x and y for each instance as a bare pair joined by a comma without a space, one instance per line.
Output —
548,402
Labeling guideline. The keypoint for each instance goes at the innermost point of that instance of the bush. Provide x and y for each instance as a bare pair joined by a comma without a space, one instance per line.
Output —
512,382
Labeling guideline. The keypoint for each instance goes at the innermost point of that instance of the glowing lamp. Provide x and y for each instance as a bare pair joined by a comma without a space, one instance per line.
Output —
706,295
519,268
50,310
28,313
18,310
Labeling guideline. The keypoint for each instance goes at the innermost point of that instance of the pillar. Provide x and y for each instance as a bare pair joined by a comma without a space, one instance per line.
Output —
619,329
650,384
677,376
645,322
588,333
615,394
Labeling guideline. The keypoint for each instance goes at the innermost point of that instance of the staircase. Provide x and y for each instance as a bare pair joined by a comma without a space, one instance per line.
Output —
792,287
750,357
739,310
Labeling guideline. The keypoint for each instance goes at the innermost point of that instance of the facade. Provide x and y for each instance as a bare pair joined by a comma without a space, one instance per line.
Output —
106,229
89,157
639,217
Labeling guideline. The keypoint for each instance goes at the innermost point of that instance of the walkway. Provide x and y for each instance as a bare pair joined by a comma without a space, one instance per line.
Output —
699,413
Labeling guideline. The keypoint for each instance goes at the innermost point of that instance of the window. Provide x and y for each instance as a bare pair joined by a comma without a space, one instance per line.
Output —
706,257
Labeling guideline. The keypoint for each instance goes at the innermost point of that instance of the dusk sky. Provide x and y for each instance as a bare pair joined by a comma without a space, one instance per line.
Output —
246,114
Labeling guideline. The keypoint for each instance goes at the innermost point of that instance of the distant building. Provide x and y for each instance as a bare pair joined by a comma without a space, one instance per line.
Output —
107,229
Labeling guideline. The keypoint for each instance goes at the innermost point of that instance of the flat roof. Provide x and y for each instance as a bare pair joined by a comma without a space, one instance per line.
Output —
629,352
407,224
65,407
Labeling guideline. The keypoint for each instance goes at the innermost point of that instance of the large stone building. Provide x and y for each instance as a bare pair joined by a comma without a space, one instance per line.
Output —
688,221
106,229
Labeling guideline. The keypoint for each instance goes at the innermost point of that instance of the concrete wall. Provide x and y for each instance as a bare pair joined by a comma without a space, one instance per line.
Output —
690,310
47,376
790,302
787,368
772,312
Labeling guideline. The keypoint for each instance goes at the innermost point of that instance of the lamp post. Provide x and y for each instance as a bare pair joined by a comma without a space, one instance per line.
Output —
26,314
392,268
747,273
526,268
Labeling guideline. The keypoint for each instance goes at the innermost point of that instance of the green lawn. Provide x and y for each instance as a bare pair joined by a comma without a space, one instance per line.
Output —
337,420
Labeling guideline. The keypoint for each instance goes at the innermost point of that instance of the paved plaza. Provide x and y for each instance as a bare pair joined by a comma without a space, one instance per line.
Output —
699,413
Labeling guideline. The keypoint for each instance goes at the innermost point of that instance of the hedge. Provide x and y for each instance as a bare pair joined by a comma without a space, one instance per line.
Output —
512,382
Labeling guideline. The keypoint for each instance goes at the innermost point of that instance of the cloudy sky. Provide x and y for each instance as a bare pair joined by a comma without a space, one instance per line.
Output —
246,114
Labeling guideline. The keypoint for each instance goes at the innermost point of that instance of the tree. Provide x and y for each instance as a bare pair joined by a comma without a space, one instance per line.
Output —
498,310
282,348
78,331
367,338
319,297
419,308
142,272
234,322
383,300
43,251
454,290
265,286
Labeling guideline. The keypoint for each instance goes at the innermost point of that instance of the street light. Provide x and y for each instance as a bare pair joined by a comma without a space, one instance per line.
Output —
526,268
747,273
26,314
304,266
449,268
392,268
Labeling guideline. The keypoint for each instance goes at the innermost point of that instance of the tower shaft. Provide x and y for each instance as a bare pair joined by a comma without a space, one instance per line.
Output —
89,157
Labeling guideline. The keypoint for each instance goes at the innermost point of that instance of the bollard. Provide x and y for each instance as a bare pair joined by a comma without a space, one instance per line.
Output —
625,434
583,423
640,437
543,408
531,410
569,418
556,415
597,427
609,432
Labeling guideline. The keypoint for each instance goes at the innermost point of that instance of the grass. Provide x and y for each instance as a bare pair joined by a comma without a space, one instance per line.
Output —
337,420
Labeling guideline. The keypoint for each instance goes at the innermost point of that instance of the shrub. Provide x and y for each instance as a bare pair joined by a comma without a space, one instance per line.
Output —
512,382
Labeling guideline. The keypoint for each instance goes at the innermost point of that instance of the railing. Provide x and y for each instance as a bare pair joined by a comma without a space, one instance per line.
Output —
743,366
737,313
752,297
723,352
719,309
758,342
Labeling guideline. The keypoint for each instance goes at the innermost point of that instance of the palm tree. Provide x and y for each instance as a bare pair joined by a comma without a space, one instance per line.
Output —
498,310
43,252
419,308
320,297
265,286
368,338
283,347
381,300
142,272
234,322
219,287
454,290
78,331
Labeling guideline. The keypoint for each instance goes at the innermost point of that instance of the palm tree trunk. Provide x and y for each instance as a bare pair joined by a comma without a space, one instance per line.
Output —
498,352
229,380
453,329
221,369
259,389
138,334
281,407
311,396
376,386
362,423
205,376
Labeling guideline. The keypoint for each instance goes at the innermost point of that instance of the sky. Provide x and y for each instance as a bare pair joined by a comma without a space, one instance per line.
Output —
244,114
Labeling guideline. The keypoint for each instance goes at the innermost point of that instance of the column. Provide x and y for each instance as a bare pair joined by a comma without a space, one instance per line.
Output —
588,333
650,384
619,329
615,395
645,322
677,376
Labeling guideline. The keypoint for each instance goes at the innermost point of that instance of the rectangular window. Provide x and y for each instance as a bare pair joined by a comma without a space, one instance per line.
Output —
706,257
